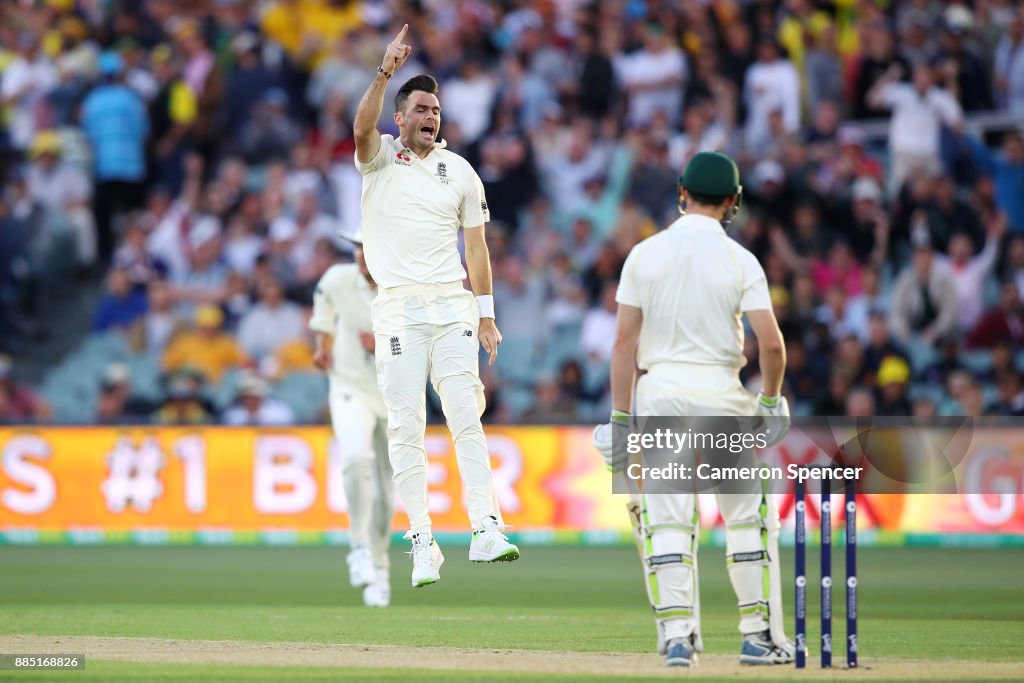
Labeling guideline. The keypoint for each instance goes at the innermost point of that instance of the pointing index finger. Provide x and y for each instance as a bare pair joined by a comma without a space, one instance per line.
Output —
401,34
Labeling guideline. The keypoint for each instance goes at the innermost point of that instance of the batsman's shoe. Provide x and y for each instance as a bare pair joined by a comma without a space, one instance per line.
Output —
490,545
378,593
360,567
426,559
680,653
759,650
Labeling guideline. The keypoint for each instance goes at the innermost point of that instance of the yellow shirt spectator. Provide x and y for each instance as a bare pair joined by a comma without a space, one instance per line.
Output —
206,348
308,30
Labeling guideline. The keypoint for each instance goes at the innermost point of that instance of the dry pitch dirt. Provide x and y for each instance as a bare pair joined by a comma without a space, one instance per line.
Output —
468,659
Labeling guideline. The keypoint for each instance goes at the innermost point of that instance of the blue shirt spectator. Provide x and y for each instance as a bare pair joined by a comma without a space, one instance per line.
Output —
117,125
121,305
1007,171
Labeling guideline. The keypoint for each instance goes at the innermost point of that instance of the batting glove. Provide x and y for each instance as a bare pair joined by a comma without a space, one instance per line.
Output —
775,411
605,436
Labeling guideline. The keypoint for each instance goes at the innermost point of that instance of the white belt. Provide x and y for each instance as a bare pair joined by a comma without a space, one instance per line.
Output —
425,289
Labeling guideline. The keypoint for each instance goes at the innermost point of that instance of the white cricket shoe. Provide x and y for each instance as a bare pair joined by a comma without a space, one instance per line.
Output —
378,593
490,545
360,567
426,559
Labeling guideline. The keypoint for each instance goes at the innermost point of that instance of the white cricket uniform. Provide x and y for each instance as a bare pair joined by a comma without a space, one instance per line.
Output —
425,322
693,283
341,308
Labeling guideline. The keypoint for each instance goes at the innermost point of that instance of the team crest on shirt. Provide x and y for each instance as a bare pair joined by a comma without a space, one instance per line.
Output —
442,173
403,159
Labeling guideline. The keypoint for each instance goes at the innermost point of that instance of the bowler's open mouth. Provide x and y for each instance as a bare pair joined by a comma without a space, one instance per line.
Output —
427,131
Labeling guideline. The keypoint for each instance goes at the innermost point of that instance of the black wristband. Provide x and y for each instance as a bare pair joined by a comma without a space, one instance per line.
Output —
384,73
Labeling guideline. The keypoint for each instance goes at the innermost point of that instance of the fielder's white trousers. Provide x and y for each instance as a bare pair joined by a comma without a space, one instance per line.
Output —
360,424
431,331
670,522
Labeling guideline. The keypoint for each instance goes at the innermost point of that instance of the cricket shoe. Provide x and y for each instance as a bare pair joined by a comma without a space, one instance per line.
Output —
490,545
378,593
680,652
426,559
759,650
360,567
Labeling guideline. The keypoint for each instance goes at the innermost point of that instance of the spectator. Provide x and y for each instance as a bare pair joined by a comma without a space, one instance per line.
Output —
160,323
923,300
772,84
254,406
173,112
293,239
919,110
879,346
1007,171
550,405
116,403
948,362
134,257
860,402
121,305
893,378
962,69
116,123
1009,66
468,99
206,348
27,79
598,333
1010,402
970,273
184,405
18,402
64,192
522,301
270,323
653,78
248,83
1005,321
269,133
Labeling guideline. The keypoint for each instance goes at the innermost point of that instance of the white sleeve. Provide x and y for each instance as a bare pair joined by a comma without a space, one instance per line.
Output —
324,311
755,286
474,211
628,292
379,159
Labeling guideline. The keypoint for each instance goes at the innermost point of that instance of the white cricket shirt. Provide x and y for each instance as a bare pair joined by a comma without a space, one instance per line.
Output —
692,282
341,307
412,210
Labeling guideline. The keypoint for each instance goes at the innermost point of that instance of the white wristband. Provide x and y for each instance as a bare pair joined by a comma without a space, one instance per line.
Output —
486,302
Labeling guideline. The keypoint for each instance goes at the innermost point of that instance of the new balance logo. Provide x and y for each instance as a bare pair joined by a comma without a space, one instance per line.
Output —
396,347
467,333
134,476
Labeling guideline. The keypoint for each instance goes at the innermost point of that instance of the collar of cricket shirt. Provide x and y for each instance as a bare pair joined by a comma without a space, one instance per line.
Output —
408,151
695,221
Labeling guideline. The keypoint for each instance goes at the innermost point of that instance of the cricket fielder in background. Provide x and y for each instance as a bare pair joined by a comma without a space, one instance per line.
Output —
344,348
416,195
681,297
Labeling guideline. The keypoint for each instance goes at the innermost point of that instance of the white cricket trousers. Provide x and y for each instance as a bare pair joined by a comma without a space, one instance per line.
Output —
360,427
670,521
431,331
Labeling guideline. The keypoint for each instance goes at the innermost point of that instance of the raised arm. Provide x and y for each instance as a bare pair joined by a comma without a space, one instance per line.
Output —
364,127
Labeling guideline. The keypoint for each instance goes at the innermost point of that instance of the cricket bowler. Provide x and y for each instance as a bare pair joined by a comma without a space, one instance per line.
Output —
416,195
679,336
344,348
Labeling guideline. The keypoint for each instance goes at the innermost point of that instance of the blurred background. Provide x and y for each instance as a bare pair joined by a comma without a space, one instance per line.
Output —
174,175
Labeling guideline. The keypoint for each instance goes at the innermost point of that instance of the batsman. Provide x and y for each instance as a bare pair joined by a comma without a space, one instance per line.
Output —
679,339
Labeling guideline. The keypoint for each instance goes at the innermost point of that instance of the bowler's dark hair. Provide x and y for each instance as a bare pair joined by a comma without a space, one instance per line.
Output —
424,82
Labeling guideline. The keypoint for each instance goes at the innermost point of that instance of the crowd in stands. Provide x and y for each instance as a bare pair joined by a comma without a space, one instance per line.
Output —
196,157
